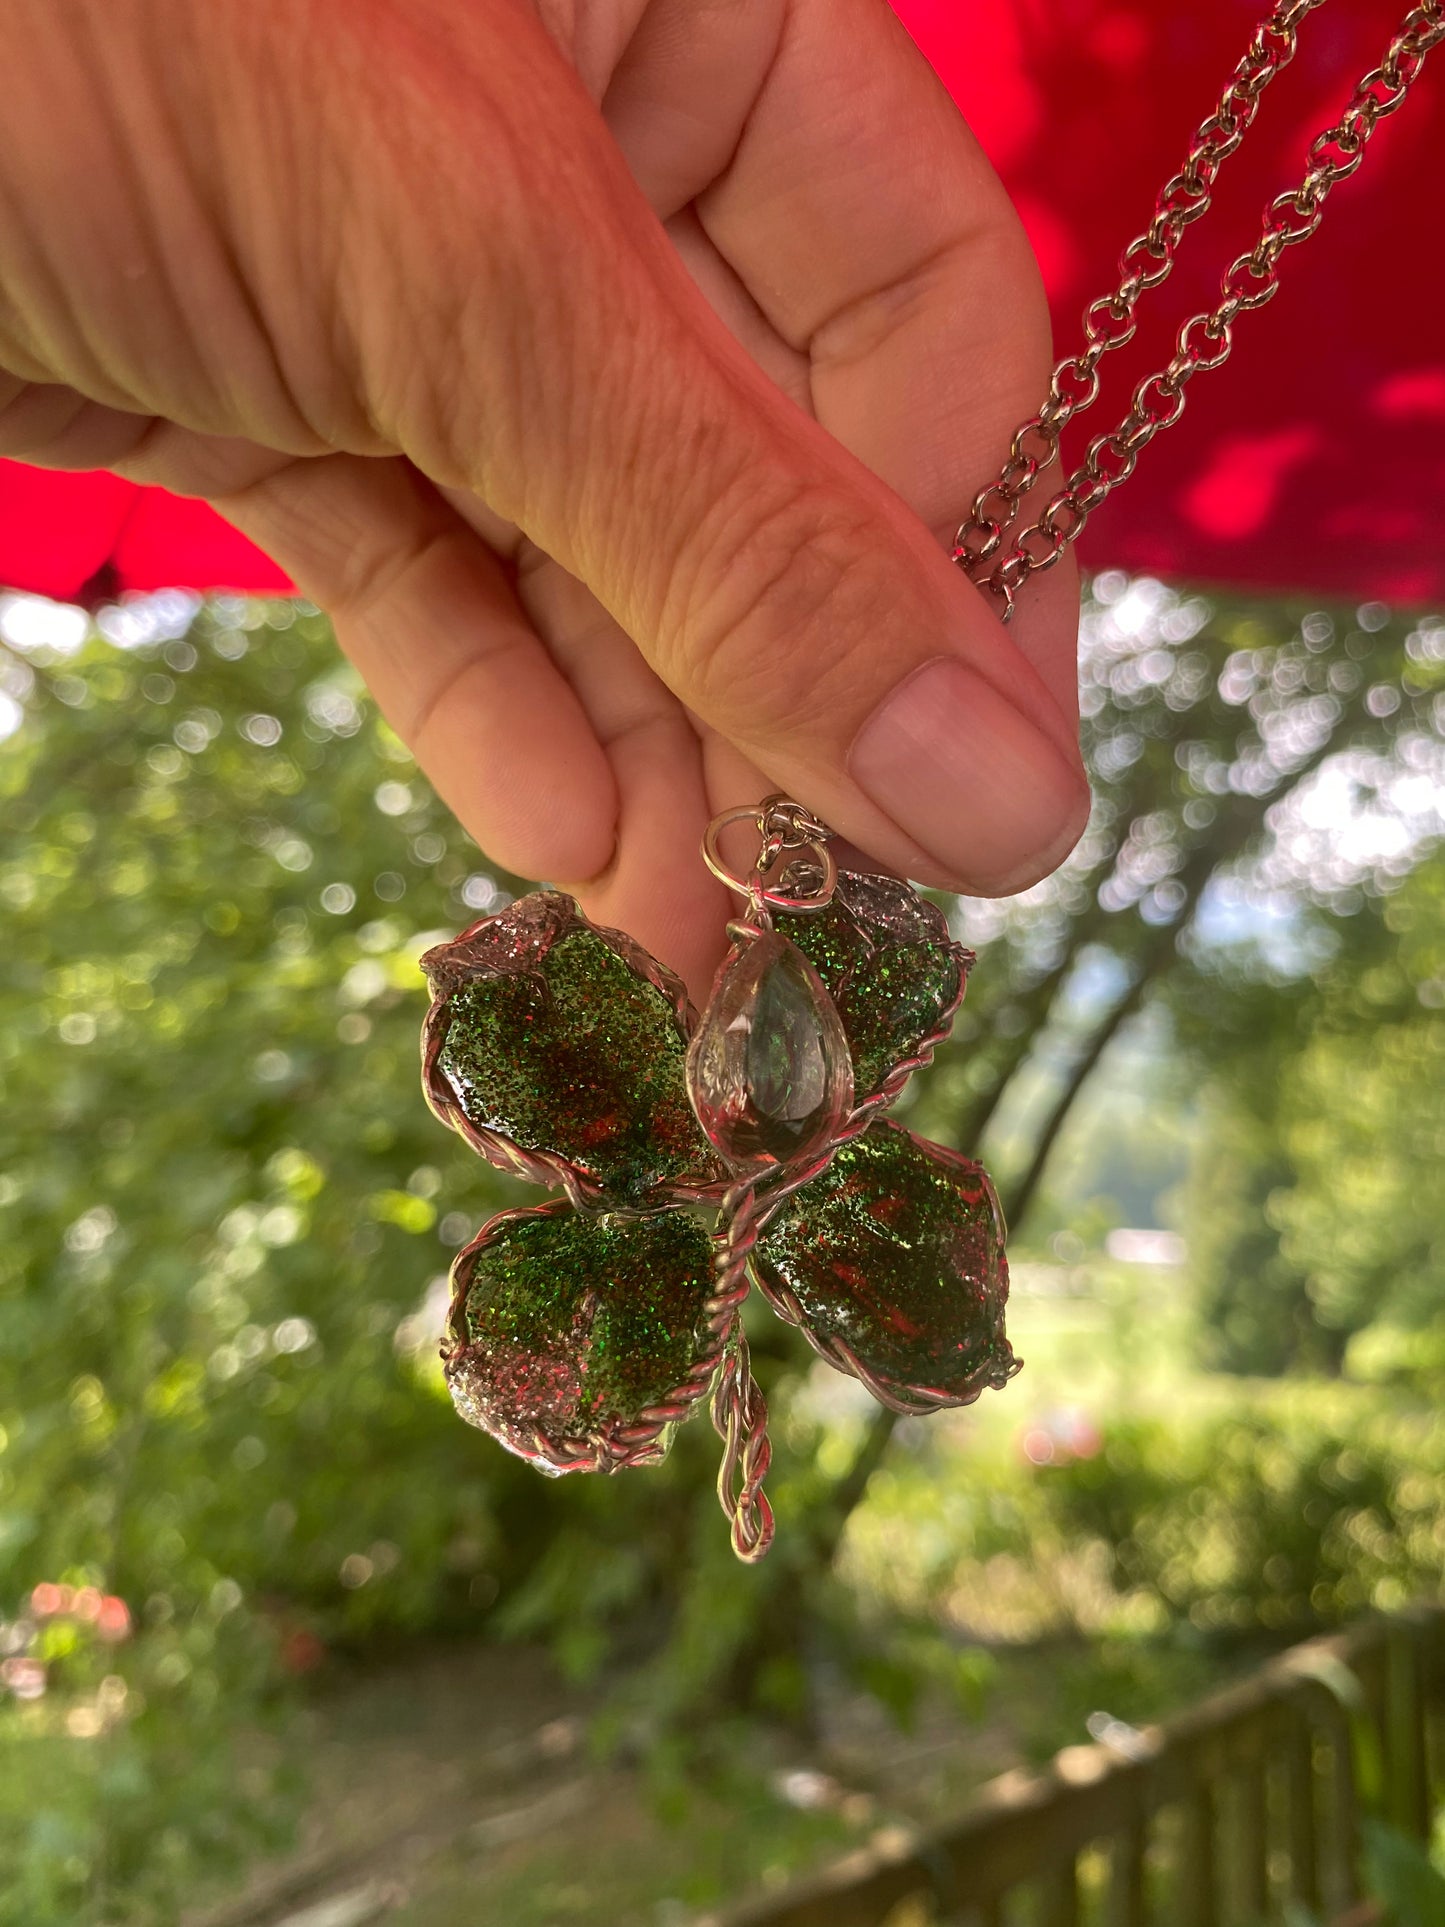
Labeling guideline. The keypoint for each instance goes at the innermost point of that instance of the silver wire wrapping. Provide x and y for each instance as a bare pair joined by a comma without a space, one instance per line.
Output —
739,1410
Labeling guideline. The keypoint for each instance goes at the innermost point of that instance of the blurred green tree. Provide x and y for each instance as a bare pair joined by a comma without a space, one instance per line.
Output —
1223,744
1315,1210
227,1215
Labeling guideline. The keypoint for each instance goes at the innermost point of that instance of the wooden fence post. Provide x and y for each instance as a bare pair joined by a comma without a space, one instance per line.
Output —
1407,1770
1125,1906
1196,1902
1249,1836
1271,1758
1059,1897
1342,1885
1301,1811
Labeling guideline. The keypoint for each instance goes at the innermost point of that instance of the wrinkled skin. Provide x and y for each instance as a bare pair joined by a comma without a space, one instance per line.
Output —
614,372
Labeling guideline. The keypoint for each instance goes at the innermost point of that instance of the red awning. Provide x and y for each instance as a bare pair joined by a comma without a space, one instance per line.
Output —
1315,460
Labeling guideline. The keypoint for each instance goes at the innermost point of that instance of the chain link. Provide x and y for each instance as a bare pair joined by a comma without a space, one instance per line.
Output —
1205,340
1146,262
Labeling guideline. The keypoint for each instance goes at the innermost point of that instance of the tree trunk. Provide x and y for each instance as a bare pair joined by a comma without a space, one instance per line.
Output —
1021,1194
1238,820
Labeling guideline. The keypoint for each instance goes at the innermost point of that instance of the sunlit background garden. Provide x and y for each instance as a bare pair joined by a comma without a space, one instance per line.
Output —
278,1633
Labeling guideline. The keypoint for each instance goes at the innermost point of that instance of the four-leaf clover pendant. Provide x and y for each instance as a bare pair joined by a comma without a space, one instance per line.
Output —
584,1330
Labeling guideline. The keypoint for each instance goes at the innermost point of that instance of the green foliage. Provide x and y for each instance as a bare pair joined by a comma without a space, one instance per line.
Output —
1363,1119
1280,1521
1314,1209
1232,1519
1258,873
217,1212
216,1217
1401,1874
1198,723
226,1219
1254,1306
225,1215
114,1796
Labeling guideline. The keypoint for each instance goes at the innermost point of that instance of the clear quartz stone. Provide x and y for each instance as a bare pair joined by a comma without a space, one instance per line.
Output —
768,1071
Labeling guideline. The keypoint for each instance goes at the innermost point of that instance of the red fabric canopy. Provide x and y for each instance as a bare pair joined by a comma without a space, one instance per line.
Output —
1315,460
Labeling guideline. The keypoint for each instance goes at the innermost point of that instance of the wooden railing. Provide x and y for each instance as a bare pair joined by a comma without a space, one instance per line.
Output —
1221,1818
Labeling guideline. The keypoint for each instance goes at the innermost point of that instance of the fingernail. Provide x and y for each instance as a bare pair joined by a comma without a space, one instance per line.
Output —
978,788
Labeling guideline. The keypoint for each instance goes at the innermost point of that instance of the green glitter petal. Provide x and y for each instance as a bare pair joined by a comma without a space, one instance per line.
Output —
890,965
568,1041
570,1326
896,1251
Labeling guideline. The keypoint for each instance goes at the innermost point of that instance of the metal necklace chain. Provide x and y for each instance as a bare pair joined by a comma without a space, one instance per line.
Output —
1205,340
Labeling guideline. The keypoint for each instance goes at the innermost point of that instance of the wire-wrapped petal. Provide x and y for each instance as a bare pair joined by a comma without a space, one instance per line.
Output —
580,1339
890,965
558,1049
892,1262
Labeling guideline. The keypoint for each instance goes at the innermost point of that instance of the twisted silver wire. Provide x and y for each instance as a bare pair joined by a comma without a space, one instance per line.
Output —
739,1410
740,1418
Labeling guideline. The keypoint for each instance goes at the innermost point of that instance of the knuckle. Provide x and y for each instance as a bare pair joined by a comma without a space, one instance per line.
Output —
782,594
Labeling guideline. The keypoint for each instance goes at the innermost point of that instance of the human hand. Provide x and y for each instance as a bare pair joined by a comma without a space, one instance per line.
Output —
613,372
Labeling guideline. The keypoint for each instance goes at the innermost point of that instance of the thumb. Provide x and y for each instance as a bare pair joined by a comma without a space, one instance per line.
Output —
790,600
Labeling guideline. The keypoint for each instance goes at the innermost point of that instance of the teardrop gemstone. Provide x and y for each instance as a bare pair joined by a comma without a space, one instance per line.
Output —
768,1070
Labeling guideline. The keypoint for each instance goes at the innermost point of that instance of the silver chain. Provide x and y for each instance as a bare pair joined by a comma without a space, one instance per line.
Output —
1205,340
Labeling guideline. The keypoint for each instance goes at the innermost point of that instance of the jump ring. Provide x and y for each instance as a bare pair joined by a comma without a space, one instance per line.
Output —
754,889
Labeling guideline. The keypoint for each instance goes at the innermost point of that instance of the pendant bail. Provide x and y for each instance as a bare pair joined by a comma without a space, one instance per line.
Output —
785,830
